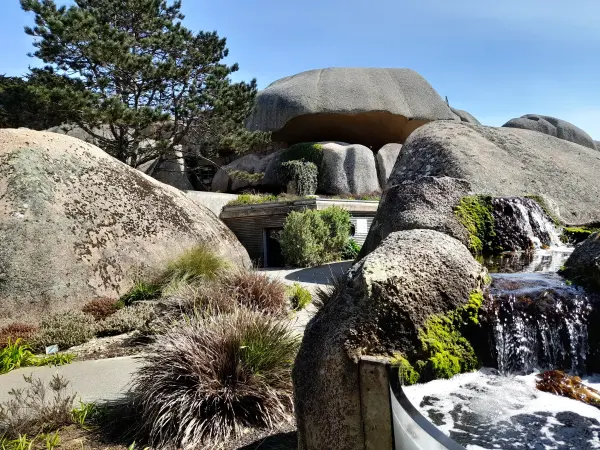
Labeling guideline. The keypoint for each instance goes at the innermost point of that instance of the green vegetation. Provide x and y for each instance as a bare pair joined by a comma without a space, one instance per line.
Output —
196,263
65,329
444,350
300,297
408,375
303,175
575,235
351,250
475,213
125,320
134,69
19,354
312,237
211,376
246,176
141,290
252,199
308,151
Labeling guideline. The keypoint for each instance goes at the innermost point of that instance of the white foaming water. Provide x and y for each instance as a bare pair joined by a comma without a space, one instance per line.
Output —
483,410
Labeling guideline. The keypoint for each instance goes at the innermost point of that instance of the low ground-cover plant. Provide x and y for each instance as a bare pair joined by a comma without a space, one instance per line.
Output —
351,250
15,331
300,297
100,308
252,199
19,354
125,320
205,380
312,237
65,329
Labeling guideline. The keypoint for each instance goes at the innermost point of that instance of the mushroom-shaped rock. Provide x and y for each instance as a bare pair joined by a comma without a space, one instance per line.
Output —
506,162
379,308
369,106
347,169
553,127
386,158
76,224
464,116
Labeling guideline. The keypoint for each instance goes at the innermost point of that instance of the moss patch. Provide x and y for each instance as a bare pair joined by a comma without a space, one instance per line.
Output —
575,235
475,213
407,373
445,351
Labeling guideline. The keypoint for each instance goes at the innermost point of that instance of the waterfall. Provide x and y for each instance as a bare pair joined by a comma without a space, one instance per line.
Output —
538,323
521,224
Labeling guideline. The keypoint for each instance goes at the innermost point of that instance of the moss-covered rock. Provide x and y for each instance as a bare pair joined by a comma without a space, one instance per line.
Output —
575,235
475,212
407,373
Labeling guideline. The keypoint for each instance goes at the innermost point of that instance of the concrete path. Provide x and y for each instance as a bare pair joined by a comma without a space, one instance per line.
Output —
311,277
92,381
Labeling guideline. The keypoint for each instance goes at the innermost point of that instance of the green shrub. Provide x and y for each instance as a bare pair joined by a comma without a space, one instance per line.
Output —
65,329
14,356
196,263
100,308
351,250
303,238
252,199
299,297
476,215
312,237
130,318
246,176
140,291
302,175
309,151
206,380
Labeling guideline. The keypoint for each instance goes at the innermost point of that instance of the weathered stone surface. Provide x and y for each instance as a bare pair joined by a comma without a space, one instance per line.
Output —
552,127
505,162
171,170
426,203
583,266
252,163
464,116
386,298
75,224
347,169
369,106
386,158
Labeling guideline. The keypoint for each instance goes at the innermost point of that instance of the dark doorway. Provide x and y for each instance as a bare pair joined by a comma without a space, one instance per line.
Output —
273,255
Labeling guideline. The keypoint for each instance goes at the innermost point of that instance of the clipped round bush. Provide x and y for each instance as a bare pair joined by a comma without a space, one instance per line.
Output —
100,308
65,329
206,380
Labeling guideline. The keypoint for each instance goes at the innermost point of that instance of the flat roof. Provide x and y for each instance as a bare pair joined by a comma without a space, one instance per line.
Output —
285,207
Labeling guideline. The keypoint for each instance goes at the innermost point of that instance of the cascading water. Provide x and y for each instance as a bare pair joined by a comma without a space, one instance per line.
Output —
537,322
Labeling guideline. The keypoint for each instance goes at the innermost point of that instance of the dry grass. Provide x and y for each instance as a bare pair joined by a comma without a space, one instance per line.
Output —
100,308
213,375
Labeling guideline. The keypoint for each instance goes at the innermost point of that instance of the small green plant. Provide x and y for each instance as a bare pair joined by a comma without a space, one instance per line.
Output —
83,413
196,263
300,297
15,355
52,441
351,250
252,199
140,291
21,442
58,359
408,375
65,329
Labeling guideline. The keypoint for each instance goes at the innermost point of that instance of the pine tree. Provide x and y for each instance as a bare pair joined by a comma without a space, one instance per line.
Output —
144,75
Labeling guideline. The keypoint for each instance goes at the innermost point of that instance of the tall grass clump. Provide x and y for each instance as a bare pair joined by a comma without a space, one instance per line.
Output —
206,380
196,263
14,356
255,290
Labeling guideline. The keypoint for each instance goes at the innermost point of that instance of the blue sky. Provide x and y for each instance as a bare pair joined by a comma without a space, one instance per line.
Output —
496,59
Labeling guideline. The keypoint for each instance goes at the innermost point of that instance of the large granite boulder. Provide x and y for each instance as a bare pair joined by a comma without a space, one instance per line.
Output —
170,169
583,266
76,224
552,127
243,173
386,158
426,203
383,303
347,169
464,116
366,106
506,162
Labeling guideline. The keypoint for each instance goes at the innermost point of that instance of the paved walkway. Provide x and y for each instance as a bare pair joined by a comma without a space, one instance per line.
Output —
93,381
